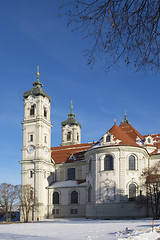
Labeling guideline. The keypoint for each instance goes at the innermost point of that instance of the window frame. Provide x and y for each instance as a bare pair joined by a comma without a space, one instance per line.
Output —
55,211
45,113
74,199
32,110
31,174
132,194
108,166
77,136
132,166
54,199
69,174
108,138
31,137
74,211
68,136
45,138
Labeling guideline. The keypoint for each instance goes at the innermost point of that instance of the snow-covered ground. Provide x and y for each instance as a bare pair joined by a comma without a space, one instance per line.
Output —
81,229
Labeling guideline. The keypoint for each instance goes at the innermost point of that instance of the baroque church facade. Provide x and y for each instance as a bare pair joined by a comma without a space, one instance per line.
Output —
92,180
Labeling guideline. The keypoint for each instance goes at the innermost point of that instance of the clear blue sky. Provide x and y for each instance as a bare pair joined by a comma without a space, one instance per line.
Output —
31,35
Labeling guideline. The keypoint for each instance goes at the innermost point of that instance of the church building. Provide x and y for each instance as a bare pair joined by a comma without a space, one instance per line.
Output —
92,180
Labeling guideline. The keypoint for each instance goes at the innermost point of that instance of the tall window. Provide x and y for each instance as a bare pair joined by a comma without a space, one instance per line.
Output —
32,110
132,162
31,138
45,112
68,136
77,137
108,163
132,192
90,165
71,173
74,197
89,193
31,194
56,198
108,138
31,174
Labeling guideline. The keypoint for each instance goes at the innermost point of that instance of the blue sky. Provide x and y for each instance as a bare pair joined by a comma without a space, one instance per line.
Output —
31,35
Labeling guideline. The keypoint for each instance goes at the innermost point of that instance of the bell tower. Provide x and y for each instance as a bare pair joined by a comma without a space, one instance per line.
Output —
36,163
71,130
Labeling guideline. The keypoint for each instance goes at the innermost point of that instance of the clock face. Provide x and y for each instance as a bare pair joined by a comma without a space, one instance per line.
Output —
32,98
31,149
45,150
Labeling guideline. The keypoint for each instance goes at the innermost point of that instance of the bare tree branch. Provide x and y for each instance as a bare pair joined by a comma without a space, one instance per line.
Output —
127,29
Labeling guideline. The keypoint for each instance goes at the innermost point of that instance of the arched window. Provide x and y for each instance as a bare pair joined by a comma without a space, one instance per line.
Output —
56,198
108,162
32,110
89,193
108,138
132,192
132,162
74,197
69,136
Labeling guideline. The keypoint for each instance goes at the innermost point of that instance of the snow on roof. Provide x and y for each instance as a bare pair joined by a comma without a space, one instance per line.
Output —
68,183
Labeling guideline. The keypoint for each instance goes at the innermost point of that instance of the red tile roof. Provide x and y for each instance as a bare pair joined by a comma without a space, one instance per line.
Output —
124,138
125,134
130,131
63,154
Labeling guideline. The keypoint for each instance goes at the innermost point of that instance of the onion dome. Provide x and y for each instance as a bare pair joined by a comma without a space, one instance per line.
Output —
71,119
37,89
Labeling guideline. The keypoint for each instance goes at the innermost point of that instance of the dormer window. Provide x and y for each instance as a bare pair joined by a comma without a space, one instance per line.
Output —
108,138
32,110
69,136
72,157
149,140
45,112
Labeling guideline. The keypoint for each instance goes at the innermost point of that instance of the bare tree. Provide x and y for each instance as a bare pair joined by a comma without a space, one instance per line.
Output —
127,29
8,199
28,201
151,183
